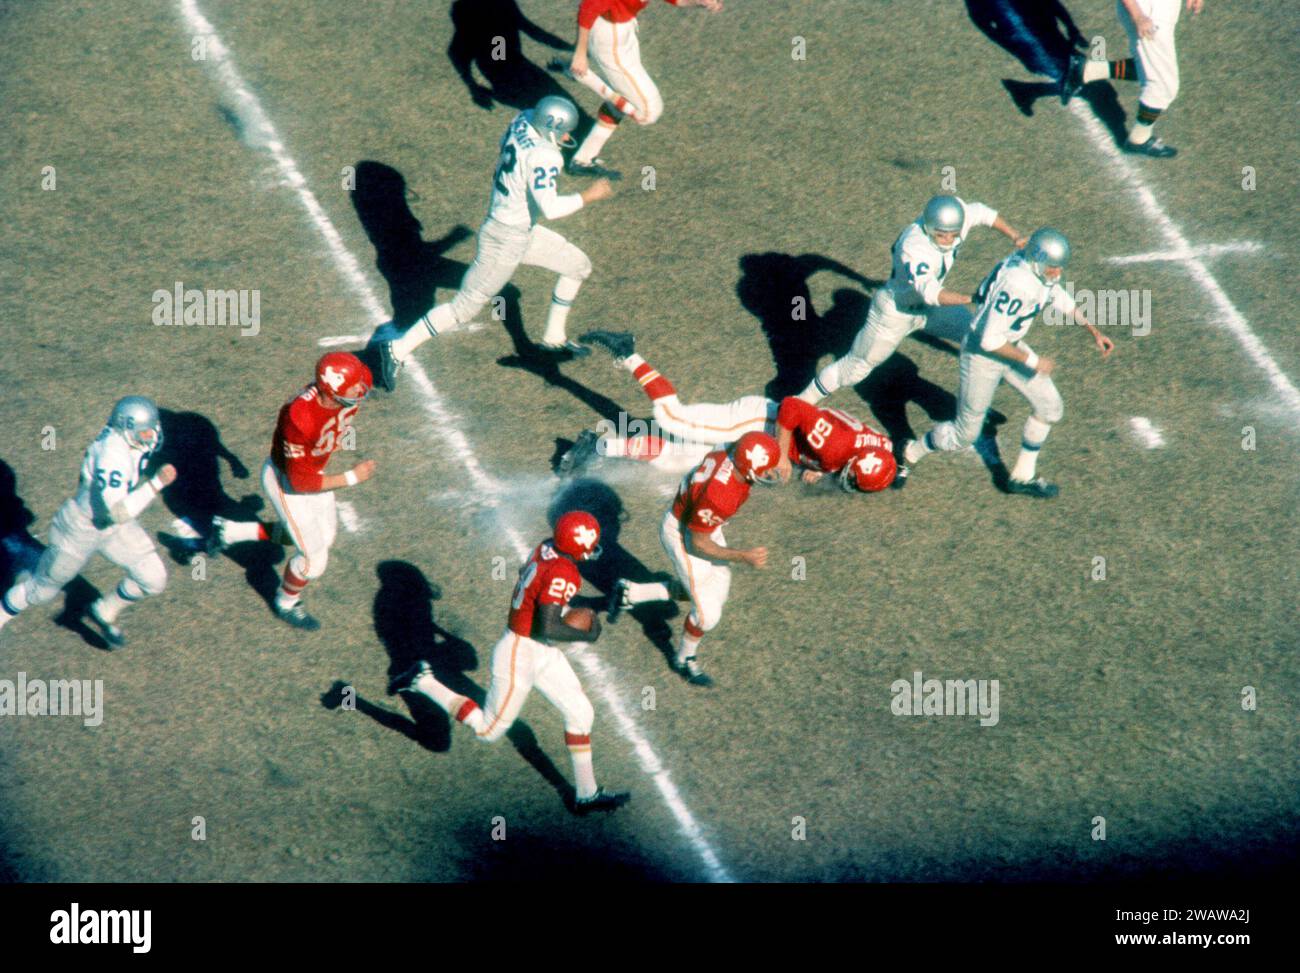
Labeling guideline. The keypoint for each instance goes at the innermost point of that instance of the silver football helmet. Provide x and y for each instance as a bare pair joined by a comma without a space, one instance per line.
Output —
943,214
136,418
555,118
1047,248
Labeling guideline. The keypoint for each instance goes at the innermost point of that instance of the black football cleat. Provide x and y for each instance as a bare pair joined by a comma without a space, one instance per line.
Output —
571,348
900,476
1153,147
112,634
620,344
404,682
389,366
618,601
297,617
1037,487
579,455
689,669
595,169
1072,79
602,800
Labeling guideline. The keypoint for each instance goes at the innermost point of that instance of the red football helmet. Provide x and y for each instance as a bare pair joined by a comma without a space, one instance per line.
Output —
871,470
577,534
755,455
343,377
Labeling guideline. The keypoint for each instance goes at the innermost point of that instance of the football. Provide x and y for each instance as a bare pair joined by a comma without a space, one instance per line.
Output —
579,618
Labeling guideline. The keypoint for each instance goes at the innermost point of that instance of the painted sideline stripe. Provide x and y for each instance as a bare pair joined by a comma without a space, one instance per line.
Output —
1228,316
260,133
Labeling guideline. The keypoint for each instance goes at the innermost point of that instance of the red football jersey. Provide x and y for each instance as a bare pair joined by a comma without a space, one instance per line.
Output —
616,11
710,494
306,435
547,578
826,439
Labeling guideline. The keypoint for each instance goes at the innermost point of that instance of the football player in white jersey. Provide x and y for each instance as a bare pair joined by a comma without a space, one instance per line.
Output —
914,296
101,519
994,349
523,191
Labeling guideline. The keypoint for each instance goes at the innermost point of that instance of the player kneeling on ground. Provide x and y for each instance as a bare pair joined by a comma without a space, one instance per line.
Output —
691,533
524,659
1011,295
311,426
101,519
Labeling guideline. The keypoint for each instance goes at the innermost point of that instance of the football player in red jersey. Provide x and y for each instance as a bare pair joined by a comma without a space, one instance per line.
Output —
311,426
820,440
691,533
524,658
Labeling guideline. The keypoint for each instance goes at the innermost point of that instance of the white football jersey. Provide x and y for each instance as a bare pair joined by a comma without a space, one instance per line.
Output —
920,267
524,185
109,471
1009,298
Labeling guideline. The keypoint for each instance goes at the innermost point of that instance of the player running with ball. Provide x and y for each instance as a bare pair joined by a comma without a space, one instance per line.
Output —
1010,297
525,659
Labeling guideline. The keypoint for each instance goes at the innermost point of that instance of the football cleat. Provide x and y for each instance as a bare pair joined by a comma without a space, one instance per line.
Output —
1037,487
216,542
567,348
689,669
900,477
389,366
602,800
579,455
620,344
1153,147
112,634
618,601
404,681
297,617
596,168
1072,79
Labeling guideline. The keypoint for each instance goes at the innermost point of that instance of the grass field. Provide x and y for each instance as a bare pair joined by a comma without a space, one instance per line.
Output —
774,179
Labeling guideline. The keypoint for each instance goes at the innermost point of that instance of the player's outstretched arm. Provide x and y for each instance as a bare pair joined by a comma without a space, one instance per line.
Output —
1010,232
551,626
701,545
127,506
1104,344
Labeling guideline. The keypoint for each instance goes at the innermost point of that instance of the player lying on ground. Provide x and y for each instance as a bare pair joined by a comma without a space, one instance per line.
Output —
101,519
523,191
914,296
1153,63
608,31
311,426
691,533
819,440
524,658
1011,295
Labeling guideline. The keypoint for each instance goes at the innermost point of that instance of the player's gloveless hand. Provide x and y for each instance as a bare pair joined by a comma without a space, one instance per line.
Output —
578,66
784,468
1195,6
756,557
1146,27
811,476
1045,366
167,475
364,470
1105,346
600,189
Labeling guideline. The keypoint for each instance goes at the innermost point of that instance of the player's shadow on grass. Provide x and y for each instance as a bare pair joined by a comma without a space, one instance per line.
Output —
488,36
404,623
20,552
774,288
616,561
193,445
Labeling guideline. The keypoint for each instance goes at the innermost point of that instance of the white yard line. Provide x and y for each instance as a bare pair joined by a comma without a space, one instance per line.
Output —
260,133
1193,253
1146,434
1227,316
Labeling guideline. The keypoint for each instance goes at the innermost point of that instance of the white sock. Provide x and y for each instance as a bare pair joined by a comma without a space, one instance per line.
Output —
917,448
594,142
566,289
238,531
1141,134
1027,462
584,774
826,382
15,600
110,605
1095,71
436,321
632,362
687,646
649,591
